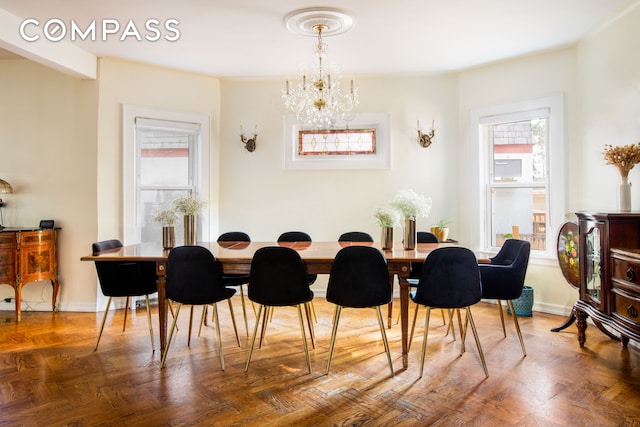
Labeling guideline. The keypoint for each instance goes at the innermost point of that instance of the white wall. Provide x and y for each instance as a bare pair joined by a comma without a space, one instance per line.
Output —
262,198
47,140
609,82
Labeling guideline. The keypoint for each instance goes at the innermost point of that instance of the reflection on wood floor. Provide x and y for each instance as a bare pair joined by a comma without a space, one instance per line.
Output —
50,375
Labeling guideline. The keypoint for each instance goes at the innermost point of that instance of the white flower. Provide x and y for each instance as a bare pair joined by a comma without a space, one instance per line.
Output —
411,204
165,217
188,205
386,217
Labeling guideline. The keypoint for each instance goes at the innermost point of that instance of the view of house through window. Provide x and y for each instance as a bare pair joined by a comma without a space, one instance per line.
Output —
517,199
166,159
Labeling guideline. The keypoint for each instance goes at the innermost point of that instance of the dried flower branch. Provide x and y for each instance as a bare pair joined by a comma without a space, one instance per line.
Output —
623,157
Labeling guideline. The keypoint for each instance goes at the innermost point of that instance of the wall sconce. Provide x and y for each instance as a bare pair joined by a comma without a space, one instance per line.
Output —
249,143
425,139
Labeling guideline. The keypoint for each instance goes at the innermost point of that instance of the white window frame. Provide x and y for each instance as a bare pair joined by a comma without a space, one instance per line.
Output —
131,211
555,161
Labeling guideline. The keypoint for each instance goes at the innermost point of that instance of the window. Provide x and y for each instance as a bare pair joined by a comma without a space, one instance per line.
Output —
520,164
364,144
164,160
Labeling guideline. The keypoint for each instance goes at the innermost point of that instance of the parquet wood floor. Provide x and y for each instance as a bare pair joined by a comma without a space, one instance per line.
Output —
50,375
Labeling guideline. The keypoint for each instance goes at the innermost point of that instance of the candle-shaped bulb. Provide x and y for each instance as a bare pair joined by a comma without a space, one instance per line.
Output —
241,132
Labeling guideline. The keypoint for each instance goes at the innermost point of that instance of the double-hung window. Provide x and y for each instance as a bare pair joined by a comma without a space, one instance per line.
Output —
165,159
521,173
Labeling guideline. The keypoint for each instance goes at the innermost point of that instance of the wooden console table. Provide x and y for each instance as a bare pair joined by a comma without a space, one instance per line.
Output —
28,255
609,259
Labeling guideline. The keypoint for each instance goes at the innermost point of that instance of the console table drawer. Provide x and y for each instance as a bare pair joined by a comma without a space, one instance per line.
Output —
626,268
627,306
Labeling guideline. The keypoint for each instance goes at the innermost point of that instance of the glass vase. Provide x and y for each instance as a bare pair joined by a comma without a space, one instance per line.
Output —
625,196
409,240
190,230
168,237
386,240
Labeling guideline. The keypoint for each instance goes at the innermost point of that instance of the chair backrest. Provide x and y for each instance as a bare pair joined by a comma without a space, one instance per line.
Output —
194,276
359,278
450,278
504,277
105,245
294,236
234,236
512,250
355,236
427,237
121,279
278,277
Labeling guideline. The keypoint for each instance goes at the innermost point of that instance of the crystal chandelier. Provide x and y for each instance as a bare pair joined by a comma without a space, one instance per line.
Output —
318,100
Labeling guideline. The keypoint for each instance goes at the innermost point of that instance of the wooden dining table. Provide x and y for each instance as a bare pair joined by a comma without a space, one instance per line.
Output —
235,258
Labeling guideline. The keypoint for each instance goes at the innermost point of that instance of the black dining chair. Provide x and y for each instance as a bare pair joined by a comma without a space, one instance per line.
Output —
503,278
194,277
359,278
416,267
278,279
300,236
450,279
237,280
124,279
355,236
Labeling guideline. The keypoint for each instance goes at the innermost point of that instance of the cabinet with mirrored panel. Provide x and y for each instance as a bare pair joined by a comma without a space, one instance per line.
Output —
607,241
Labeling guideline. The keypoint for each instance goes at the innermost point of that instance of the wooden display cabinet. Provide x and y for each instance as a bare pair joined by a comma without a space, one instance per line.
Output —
609,274
28,255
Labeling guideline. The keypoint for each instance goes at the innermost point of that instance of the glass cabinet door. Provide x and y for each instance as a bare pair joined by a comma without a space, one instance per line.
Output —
593,264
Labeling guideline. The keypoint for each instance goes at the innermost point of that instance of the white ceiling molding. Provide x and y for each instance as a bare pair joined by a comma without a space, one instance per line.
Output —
61,55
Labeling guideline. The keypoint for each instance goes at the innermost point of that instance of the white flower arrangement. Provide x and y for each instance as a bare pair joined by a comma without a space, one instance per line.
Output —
411,204
189,205
386,216
165,217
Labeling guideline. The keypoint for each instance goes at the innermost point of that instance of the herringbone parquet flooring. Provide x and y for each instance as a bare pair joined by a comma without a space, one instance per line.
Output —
50,375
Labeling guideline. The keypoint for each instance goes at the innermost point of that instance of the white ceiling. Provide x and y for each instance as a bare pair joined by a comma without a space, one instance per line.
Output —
242,38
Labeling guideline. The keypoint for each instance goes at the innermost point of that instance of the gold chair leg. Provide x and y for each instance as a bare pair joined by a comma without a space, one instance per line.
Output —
475,335
413,326
233,319
504,330
451,327
462,334
172,313
515,320
336,318
424,340
244,310
444,322
126,310
384,339
304,338
307,312
219,336
203,320
190,324
104,318
313,311
265,320
253,338
153,347
173,327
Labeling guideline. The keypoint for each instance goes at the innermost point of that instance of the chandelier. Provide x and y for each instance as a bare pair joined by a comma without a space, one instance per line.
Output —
318,100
